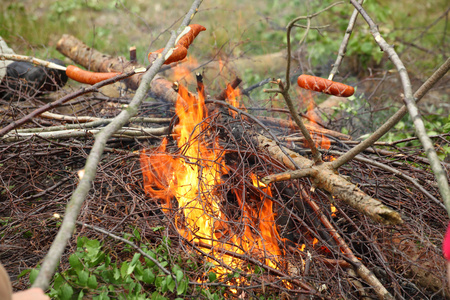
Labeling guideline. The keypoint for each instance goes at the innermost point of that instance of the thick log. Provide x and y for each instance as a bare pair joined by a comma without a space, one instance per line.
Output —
96,61
325,178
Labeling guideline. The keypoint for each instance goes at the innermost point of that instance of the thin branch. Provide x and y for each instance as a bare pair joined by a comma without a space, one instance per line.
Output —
51,105
125,132
74,206
360,268
289,175
394,119
345,40
410,101
283,88
84,119
33,60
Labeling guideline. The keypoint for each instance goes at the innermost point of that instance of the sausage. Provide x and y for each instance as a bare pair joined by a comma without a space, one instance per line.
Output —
180,49
326,86
88,77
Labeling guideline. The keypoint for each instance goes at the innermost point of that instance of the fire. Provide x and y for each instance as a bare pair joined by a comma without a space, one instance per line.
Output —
322,141
192,177
233,96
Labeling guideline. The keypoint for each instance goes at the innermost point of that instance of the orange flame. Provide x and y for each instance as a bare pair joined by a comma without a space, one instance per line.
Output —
320,139
192,177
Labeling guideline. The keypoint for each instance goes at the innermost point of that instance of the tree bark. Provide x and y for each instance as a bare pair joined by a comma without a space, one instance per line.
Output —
96,61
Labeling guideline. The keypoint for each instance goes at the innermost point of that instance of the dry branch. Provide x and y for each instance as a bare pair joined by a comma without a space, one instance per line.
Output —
325,178
74,206
410,103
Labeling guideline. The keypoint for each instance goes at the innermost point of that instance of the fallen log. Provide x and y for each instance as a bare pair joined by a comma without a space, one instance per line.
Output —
96,61
325,178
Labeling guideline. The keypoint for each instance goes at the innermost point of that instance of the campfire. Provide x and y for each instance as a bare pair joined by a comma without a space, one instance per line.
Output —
190,185
266,199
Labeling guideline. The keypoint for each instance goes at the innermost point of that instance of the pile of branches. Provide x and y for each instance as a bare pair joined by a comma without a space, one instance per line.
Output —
383,242
39,176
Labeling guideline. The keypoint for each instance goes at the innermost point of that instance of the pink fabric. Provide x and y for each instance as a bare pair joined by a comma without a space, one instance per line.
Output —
446,244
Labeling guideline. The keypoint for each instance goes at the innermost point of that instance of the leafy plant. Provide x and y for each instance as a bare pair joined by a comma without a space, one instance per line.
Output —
96,274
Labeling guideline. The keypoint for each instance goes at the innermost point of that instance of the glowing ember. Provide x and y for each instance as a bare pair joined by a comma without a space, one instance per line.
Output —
192,177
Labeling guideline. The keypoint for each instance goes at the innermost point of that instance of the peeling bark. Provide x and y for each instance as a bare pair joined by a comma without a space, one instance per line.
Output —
325,178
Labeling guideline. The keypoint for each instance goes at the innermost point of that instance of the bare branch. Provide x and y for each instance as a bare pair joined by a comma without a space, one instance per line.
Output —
345,40
412,108
33,60
394,119
74,206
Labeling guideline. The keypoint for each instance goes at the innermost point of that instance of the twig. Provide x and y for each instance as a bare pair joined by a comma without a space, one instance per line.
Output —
74,206
283,88
62,100
360,268
345,40
289,175
396,172
33,60
410,101
234,84
125,132
84,119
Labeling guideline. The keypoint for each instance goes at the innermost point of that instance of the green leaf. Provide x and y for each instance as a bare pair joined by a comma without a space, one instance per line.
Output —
212,276
75,262
80,295
66,292
158,228
124,269
182,287
148,276
164,286
33,274
158,296
136,233
116,274
179,274
170,283
135,258
24,272
82,277
149,262
92,282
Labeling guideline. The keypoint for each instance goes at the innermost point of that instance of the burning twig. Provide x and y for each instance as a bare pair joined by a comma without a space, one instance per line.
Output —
234,84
